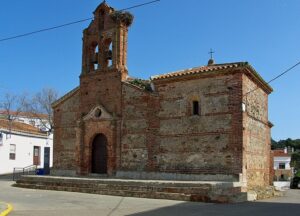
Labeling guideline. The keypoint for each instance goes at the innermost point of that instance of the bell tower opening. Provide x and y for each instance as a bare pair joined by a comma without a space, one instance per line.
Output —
105,41
95,58
108,53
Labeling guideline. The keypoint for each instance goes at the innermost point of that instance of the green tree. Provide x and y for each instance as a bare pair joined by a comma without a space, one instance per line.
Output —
295,161
286,143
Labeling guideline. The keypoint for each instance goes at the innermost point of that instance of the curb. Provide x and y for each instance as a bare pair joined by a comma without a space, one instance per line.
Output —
8,209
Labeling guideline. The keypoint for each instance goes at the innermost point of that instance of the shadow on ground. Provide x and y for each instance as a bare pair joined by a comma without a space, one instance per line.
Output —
239,209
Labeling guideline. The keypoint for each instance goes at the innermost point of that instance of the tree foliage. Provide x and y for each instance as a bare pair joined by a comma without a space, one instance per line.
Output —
295,162
286,143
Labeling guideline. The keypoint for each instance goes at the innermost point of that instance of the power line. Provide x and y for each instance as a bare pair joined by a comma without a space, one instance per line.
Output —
140,5
43,30
275,78
68,24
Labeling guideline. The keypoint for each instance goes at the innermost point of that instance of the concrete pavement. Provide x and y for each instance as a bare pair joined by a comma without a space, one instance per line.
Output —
3,207
45,203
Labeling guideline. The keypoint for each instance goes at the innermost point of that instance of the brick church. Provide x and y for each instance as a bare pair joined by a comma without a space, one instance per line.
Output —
195,124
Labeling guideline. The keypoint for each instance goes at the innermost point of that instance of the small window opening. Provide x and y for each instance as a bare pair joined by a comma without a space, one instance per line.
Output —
196,108
281,165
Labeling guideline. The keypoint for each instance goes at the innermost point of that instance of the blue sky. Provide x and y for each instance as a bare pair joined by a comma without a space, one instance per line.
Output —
166,36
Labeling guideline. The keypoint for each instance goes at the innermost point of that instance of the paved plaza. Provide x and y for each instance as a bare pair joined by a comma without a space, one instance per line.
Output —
27,202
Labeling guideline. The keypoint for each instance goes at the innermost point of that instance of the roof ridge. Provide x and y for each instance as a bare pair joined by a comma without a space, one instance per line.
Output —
193,69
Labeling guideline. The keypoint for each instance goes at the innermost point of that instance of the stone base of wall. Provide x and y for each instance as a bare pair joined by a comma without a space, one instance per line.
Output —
175,176
264,192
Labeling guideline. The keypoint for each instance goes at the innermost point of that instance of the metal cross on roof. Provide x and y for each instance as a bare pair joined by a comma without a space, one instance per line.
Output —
211,52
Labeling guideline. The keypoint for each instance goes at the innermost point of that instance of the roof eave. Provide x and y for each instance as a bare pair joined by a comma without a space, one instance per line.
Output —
259,80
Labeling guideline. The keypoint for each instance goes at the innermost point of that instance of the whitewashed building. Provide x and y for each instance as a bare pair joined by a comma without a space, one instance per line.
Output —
22,145
283,172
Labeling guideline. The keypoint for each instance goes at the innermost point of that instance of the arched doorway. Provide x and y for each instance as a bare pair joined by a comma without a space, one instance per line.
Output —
99,154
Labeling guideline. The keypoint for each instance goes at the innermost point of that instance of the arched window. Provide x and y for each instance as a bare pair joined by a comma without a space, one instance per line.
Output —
196,108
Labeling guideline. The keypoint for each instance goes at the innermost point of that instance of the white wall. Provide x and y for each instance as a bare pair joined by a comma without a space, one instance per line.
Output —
24,151
285,160
279,185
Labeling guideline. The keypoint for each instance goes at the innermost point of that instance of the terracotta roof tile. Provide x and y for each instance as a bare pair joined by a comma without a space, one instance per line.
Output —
197,70
280,153
20,127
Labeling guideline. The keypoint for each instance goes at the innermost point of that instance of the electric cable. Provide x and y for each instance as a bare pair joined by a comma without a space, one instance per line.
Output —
68,24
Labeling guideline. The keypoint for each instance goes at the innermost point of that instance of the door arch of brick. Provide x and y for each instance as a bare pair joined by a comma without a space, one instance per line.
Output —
99,154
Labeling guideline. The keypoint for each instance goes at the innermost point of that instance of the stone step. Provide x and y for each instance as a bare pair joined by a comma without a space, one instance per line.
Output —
217,184
178,190
136,187
125,193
